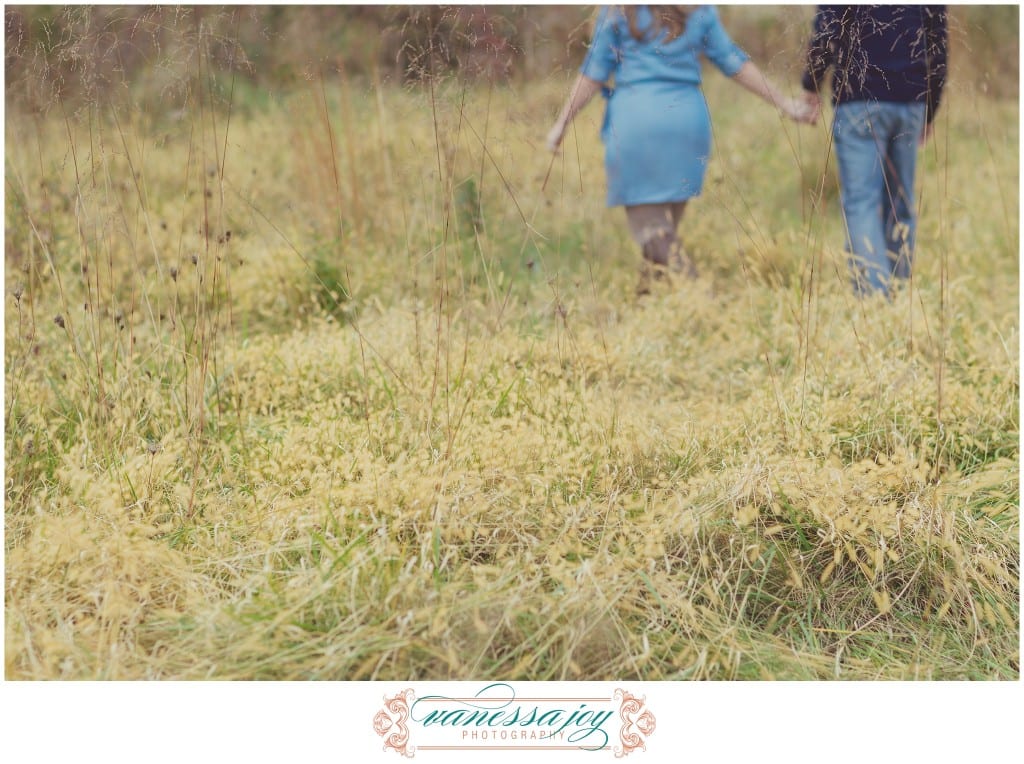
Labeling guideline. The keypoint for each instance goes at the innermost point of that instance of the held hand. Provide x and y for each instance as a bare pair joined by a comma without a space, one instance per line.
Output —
799,111
812,103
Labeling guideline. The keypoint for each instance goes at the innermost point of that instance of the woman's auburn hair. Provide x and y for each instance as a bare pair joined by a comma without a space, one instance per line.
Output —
670,18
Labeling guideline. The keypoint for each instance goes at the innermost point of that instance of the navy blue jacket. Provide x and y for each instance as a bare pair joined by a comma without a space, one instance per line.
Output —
893,53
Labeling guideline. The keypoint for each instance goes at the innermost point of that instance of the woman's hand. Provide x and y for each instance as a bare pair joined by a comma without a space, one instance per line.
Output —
803,110
582,91
554,139
812,102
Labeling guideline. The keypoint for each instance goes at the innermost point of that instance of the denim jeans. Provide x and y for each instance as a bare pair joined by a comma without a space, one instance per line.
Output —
876,150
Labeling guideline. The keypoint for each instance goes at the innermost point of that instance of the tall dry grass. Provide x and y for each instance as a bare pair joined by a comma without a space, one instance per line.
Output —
353,385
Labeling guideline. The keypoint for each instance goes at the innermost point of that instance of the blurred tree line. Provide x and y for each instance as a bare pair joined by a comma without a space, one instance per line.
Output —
69,54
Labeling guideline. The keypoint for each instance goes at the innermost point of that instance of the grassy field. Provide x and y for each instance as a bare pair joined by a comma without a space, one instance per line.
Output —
350,382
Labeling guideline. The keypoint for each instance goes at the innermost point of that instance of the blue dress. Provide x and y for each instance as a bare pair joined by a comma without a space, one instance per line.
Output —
657,130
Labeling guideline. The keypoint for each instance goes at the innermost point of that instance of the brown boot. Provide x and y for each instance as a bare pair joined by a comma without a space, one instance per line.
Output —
680,263
663,258
643,287
652,274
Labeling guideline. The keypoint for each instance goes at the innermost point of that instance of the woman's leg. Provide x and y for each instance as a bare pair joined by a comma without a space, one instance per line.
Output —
683,263
653,227
678,208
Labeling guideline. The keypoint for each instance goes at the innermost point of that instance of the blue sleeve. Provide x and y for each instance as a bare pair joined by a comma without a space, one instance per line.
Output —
719,47
603,55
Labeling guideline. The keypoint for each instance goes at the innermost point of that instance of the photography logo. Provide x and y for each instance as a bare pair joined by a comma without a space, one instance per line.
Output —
495,719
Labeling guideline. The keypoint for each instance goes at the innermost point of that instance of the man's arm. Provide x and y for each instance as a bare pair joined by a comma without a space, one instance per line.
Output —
936,44
821,51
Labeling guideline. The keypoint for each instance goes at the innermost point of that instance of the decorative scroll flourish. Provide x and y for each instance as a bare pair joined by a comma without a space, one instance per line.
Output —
390,721
638,724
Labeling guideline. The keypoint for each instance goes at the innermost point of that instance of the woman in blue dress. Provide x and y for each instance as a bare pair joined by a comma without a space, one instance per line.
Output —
657,130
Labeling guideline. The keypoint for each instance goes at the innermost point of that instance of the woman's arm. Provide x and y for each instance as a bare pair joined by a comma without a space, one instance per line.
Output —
751,78
582,91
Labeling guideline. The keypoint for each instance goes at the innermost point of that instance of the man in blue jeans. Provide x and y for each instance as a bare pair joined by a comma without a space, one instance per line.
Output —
888,67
